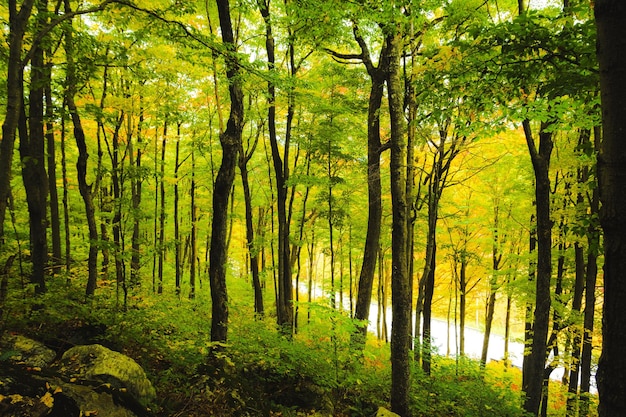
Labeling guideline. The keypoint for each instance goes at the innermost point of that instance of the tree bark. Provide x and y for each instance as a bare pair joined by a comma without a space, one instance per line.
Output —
540,157
136,183
32,155
611,377
400,291
161,240
253,250
230,140
374,187
83,156
18,23
55,221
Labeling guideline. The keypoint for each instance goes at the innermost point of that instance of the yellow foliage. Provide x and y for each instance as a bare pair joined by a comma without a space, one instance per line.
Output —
47,400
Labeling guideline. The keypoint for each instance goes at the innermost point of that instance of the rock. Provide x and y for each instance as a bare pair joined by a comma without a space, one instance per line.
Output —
77,400
18,348
97,363
28,393
383,412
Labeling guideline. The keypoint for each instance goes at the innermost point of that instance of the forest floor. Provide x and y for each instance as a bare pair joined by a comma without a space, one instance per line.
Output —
260,372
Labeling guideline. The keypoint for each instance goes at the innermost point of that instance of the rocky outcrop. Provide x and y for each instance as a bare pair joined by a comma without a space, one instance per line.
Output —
87,381
97,363
18,348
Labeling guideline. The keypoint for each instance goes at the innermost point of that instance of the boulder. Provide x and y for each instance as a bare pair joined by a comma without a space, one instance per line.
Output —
25,392
18,348
97,363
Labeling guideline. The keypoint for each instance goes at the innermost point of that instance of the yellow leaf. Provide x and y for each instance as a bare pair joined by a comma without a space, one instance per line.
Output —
57,390
48,400
16,398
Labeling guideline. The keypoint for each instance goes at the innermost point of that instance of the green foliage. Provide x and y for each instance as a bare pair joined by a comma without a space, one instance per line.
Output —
259,370
459,388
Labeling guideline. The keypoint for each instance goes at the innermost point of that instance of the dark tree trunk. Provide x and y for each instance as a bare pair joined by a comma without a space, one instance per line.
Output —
161,244
118,238
136,183
18,23
177,239
284,307
230,140
81,163
55,221
496,257
32,155
400,291
374,187
540,157
193,252
611,377
253,250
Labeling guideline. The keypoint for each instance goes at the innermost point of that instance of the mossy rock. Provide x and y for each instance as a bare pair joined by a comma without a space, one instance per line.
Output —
383,412
97,363
18,348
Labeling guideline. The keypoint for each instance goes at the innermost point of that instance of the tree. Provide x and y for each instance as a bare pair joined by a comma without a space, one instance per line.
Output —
18,24
71,89
611,25
230,140
32,156
400,289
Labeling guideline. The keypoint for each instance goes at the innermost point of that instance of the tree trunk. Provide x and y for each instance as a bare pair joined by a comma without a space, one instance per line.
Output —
177,238
540,158
136,183
611,377
161,240
118,238
18,23
193,252
374,187
284,307
83,156
32,155
230,140
55,221
253,249
400,291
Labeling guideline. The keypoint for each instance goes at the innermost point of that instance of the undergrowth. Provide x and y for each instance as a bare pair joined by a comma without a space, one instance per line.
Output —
259,371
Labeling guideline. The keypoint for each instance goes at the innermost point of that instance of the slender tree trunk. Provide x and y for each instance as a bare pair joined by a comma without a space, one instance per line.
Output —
374,186
496,257
136,184
400,291
161,244
230,140
32,155
253,249
55,220
194,230
83,156
177,238
18,24
118,239
540,157
66,211
611,377
284,305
